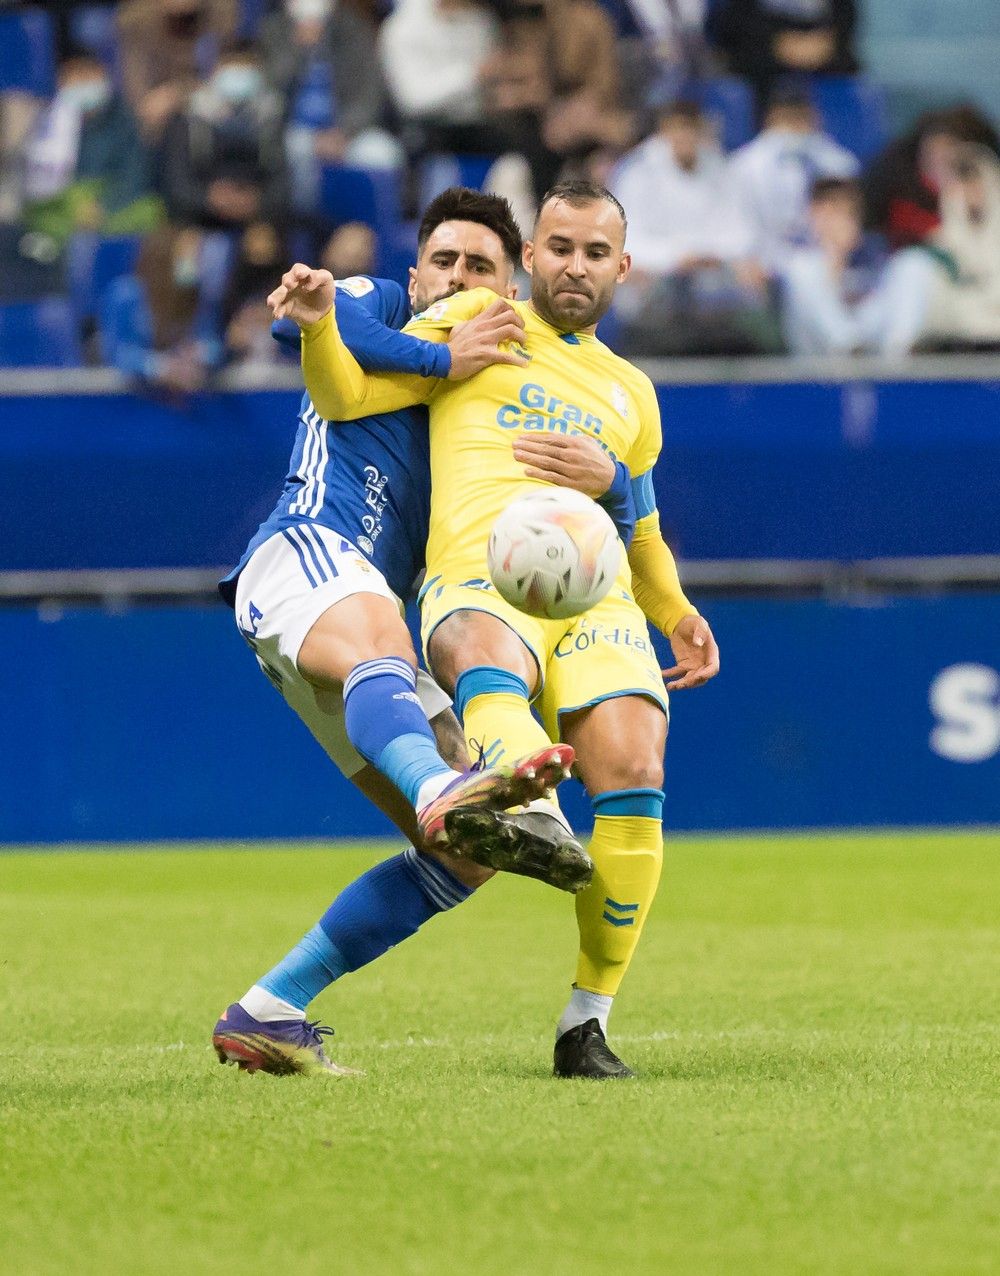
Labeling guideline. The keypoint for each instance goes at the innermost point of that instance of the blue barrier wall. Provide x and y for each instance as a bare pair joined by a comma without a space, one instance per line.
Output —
155,723
843,471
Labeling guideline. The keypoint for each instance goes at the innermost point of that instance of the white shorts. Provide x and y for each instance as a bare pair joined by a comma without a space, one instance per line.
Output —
289,582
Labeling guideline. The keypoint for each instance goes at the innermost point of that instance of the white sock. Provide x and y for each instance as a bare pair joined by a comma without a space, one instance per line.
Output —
430,789
267,1008
582,1006
549,806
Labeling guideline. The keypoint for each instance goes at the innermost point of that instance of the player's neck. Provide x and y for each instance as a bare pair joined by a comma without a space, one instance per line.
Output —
589,331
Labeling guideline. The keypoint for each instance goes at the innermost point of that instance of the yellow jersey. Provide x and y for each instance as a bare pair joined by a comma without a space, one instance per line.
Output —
573,384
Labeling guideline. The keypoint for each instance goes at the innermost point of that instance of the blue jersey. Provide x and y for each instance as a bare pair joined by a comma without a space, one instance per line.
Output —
370,480
367,480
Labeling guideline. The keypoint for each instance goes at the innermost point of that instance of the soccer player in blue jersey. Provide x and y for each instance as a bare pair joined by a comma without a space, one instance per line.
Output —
317,596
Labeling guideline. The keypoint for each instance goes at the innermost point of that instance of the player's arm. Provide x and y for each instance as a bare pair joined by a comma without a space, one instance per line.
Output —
377,346
655,581
574,460
339,387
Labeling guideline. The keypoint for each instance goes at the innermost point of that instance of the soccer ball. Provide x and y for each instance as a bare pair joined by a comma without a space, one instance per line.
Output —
553,553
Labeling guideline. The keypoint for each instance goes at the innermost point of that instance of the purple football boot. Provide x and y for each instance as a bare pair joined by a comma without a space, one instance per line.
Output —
282,1048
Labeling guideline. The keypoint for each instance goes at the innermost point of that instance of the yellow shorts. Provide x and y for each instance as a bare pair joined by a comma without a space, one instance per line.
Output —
605,653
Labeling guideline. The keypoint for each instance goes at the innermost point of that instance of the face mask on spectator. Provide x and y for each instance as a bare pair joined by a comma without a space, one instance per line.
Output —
185,271
307,10
86,95
237,83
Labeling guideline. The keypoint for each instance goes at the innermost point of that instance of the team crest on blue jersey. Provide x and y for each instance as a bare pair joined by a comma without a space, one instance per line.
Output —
355,285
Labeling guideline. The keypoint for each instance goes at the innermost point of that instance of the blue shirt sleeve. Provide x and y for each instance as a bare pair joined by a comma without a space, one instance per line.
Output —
369,314
619,501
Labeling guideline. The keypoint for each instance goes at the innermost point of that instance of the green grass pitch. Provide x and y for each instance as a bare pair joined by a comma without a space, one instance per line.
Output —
814,1019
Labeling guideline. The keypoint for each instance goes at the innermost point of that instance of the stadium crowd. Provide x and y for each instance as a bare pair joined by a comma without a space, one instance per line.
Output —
162,160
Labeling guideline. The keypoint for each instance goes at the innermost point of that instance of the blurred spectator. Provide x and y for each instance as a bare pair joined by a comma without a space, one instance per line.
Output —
261,258
903,185
663,49
168,46
224,159
157,324
677,191
432,53
695,286
775,172
845,295
553,87
85,167
764,40
583,110
322,57
965,307
350,250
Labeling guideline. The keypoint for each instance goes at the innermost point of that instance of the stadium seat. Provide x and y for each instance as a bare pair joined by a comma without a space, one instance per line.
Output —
251,16
39,334
854,113
93,27
92,262
27,52
371,196
443,169
728,102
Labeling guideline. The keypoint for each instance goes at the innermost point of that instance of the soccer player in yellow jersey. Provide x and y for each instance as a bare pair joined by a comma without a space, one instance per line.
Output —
595,680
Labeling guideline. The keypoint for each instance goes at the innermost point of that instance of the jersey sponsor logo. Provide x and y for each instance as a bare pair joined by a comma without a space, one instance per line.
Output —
619,399
589,634
355,285
375,501
536,409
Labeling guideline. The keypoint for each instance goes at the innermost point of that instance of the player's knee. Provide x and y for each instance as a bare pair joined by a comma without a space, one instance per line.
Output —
623,773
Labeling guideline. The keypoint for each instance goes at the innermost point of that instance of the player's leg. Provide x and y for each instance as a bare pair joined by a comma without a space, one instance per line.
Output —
266,1029
340,630
604,694
489,655
625,787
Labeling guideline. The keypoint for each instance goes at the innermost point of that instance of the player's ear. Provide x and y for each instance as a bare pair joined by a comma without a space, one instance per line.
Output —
411,287
624,266
527,255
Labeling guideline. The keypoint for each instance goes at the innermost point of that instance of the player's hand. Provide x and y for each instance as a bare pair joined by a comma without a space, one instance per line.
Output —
571,460
476,344
696,653
304,295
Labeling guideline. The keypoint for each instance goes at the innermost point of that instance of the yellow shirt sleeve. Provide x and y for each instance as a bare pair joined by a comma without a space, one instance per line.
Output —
437,321
341,390
655,581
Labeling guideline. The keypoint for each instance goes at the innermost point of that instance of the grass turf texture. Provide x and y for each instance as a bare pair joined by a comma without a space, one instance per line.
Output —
814,1020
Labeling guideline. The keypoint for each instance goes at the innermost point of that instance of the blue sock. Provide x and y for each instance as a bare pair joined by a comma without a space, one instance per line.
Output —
378,910
386,724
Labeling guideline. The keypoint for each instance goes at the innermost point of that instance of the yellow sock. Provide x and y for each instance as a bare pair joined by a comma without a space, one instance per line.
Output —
502,723
627,851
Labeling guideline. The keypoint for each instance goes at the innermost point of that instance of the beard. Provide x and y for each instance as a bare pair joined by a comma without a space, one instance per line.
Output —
569,311
422,298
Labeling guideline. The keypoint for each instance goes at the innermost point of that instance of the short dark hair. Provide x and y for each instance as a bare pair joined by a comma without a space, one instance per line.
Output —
835,188
460,204
578,194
